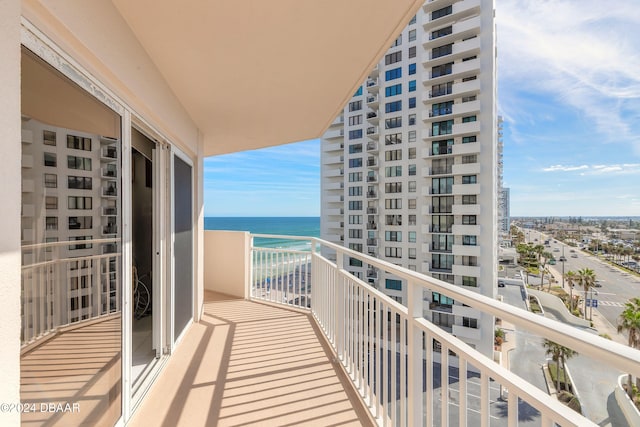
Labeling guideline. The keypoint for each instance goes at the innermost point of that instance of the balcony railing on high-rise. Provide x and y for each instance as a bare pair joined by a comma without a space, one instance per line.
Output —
58,290
399,362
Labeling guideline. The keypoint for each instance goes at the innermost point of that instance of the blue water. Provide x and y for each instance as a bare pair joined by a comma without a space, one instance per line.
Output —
290,226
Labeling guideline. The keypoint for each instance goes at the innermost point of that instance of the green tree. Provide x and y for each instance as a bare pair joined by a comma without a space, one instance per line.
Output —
572,278
586,279
559,354
629,320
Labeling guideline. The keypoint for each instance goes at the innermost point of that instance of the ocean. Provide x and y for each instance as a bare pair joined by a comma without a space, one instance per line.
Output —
292,226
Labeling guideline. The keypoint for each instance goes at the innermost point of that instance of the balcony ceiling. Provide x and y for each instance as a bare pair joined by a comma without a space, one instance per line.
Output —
256,73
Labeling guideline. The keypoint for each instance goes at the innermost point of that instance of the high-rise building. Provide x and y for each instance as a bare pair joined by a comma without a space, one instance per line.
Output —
410,169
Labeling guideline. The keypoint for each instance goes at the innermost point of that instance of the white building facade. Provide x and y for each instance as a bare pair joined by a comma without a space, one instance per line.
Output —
410,168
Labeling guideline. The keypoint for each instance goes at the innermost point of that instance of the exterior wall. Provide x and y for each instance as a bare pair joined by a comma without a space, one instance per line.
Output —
225,271
471,56
105,47
10,183
97,37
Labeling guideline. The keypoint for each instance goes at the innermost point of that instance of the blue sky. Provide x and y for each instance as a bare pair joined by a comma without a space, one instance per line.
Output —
569,92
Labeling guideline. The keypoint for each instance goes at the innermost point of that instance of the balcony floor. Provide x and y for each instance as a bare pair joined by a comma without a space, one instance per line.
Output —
247,363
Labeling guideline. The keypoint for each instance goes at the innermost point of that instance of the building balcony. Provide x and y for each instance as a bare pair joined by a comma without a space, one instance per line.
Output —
334,173
372,85
466,250
460,10
466,169
372,194
466,107
371,225
462,129
372,100
463,229
109,154
372,117
468,148
459,50
373,132
332,160
459,31
465,189
287,335
372,178
333,145
372,147
372,211
459,70
457,90
334,133
466,270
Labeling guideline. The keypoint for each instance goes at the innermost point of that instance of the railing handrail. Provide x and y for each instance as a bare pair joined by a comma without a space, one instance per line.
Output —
619,355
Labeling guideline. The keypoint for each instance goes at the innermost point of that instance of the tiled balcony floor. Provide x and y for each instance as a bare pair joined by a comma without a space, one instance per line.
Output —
247,363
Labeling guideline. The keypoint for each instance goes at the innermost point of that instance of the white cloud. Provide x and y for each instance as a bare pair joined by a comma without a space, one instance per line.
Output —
614,169
561,168
583,53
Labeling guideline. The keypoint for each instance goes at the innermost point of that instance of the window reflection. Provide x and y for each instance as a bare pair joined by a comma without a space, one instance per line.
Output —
71,251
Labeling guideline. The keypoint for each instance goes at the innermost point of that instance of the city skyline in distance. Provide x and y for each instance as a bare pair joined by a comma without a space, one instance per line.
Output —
570,103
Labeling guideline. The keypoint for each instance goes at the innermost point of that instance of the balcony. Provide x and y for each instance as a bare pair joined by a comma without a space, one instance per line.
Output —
465,189
466,169
109,154
468,148
372,117
334,133
372,194
462,129
459,31
372,100
372,162
296,336
459,70
372,85
463,229
459,50
466,250
459,11
372,132
459,209
372,147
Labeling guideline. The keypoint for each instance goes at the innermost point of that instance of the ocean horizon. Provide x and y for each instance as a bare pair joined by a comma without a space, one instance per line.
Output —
288,226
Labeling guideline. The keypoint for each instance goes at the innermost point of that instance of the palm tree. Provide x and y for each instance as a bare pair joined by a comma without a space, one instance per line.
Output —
559,354
586,279
545,256
571,277
629,321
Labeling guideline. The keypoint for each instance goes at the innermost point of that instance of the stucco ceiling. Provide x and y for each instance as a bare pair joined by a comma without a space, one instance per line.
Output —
256,73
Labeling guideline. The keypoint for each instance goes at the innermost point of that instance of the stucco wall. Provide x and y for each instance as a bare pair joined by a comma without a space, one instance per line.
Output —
10,183
99,39
226,262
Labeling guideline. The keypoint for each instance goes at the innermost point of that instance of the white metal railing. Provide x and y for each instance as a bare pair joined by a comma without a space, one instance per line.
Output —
399,362
61,290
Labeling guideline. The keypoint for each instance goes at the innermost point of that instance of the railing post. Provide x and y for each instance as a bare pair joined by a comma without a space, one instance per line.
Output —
250,292
414,352
340,302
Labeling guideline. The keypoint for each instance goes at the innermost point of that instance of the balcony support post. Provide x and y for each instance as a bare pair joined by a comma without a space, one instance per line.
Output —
414,344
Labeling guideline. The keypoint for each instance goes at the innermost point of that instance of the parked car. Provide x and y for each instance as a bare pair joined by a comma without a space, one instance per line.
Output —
574,255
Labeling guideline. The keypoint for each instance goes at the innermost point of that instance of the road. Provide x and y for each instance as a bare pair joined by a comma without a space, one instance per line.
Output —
617,286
